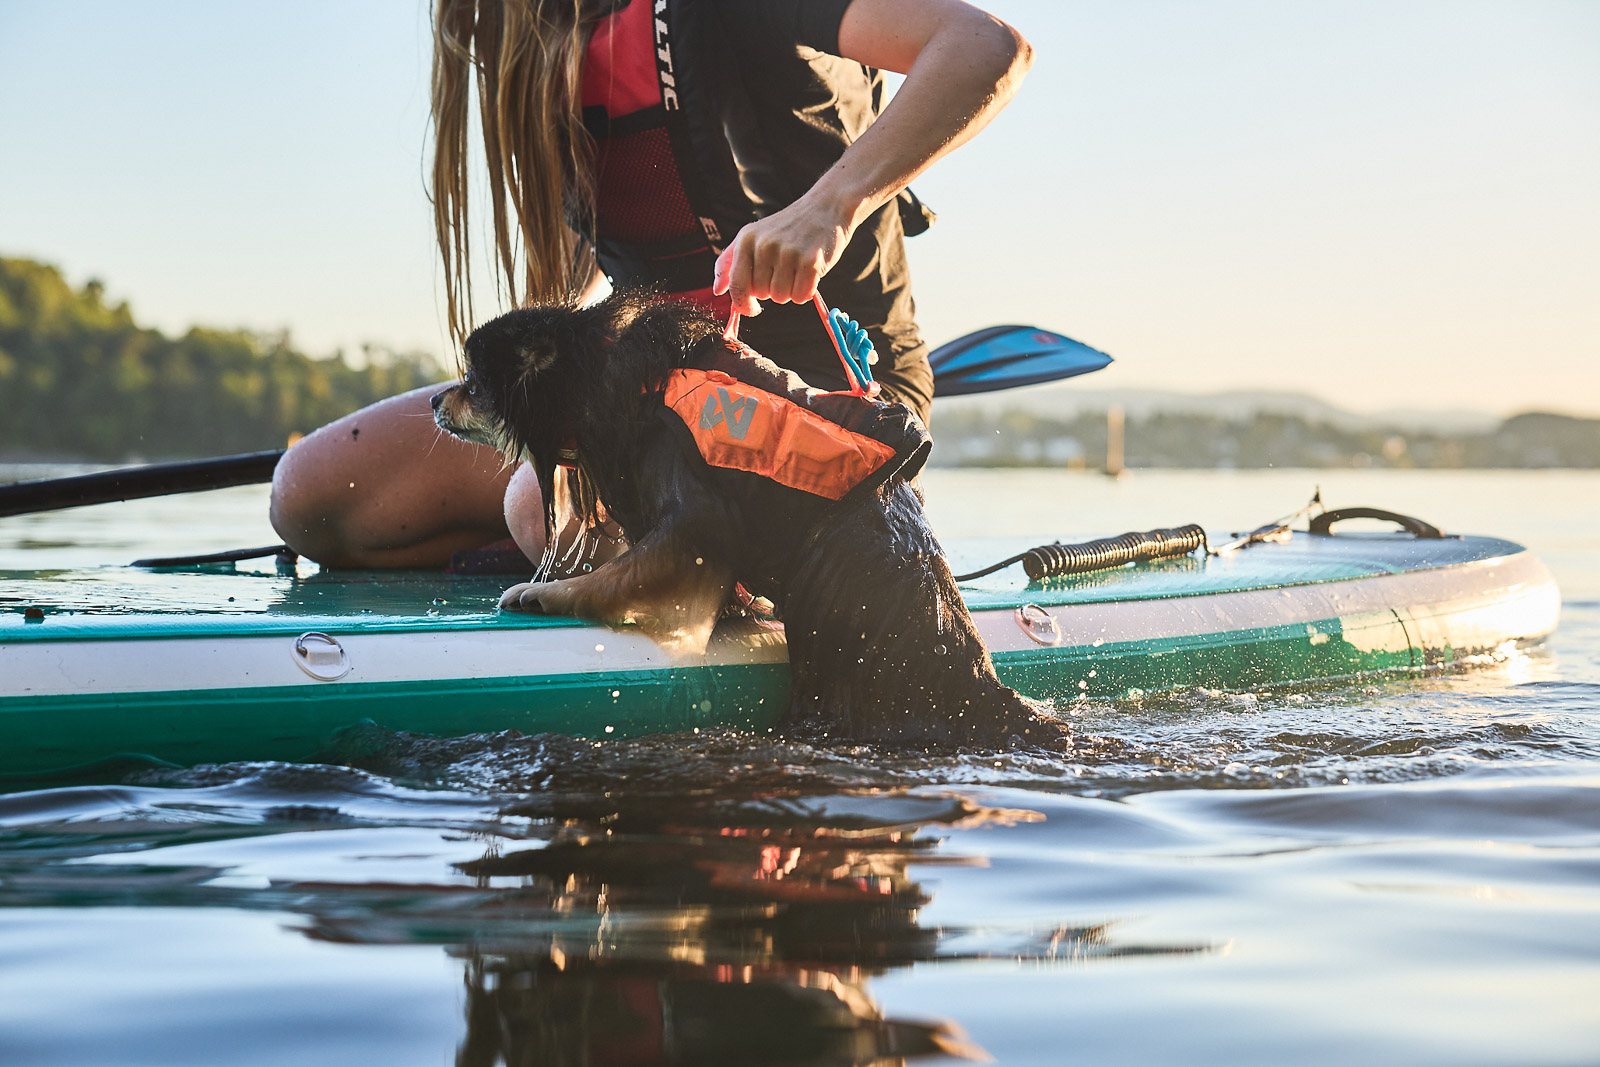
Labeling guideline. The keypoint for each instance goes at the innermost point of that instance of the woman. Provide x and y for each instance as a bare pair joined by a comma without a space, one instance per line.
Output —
624,139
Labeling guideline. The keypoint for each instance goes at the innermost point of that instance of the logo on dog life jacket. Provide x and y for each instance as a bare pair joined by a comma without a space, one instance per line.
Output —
737,415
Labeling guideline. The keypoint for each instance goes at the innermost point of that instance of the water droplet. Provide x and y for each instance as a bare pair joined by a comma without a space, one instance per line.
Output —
939,650
698,562
610,728
705,705
1082,684
599,648
615,693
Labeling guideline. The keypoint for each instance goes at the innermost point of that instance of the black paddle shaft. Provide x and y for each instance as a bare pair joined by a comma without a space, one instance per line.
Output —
132,483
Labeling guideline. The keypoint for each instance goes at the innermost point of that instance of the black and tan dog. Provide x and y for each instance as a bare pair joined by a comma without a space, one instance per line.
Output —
632,394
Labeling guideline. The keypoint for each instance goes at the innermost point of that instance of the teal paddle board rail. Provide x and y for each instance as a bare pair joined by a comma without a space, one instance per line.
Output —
224,664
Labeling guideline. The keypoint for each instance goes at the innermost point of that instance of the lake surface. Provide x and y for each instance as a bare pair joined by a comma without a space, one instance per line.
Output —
1401,871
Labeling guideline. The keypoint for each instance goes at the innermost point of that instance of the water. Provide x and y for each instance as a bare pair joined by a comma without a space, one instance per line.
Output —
1404,871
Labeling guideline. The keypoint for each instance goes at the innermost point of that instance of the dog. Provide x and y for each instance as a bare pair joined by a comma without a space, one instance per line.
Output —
881,645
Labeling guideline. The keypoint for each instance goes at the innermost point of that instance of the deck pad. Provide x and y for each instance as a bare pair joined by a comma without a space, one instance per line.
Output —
253,598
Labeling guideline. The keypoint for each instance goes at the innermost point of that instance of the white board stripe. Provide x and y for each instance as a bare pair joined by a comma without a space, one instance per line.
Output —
1507,578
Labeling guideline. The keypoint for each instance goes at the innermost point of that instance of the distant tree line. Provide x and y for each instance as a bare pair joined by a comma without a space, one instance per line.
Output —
79,378
1021,439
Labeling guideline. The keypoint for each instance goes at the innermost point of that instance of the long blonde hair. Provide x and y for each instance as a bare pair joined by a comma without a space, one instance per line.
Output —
527,56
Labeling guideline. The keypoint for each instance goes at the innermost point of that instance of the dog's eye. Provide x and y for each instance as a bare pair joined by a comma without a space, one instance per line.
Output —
472,387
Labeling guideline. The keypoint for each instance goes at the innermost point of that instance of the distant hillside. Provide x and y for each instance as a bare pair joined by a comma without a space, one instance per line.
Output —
82,380
1016,437
1067,399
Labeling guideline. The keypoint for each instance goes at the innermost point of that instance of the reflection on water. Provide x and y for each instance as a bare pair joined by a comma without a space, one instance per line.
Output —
591,928
703,943
527,1010
747,938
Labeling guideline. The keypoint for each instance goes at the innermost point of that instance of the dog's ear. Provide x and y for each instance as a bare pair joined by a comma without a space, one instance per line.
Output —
536,355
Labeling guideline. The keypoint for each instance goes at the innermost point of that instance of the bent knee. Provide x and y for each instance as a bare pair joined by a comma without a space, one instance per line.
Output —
307,511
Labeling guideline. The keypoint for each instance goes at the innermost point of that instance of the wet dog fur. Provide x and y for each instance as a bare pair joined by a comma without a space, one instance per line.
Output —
881,645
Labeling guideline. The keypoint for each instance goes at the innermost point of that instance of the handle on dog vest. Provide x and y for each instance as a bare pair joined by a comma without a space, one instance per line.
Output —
849,340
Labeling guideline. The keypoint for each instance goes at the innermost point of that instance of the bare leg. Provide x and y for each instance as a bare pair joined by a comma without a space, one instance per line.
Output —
385,487
524,512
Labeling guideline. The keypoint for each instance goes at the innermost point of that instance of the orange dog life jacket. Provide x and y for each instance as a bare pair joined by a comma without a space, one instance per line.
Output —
746,413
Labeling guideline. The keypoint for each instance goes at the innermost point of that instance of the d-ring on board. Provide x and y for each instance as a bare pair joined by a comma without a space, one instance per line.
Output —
325,660
1038,624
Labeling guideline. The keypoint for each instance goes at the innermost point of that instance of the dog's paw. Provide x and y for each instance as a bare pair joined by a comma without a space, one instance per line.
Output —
534,597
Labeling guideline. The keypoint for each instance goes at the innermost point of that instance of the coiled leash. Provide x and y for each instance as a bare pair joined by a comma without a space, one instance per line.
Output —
1055,560
850,342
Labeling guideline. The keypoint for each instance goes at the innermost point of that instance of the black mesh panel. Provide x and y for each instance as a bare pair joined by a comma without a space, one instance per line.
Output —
638,194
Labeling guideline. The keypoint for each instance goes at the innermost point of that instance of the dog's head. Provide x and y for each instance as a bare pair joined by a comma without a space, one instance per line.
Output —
530,377
522,385
503,363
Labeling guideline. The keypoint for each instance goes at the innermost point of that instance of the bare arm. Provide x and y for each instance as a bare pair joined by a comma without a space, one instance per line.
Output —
962,66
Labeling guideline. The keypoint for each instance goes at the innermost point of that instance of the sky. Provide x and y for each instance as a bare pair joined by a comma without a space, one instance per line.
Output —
1384,204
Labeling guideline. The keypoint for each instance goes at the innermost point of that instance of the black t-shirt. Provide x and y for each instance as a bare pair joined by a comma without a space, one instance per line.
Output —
808,104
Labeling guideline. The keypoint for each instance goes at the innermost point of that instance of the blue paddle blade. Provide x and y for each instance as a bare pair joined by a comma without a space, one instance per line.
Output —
1005,357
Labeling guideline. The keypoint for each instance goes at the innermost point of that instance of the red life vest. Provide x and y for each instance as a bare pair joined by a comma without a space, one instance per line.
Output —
667,191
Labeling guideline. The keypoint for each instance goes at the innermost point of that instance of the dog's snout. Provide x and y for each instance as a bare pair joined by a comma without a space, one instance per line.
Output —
438,399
